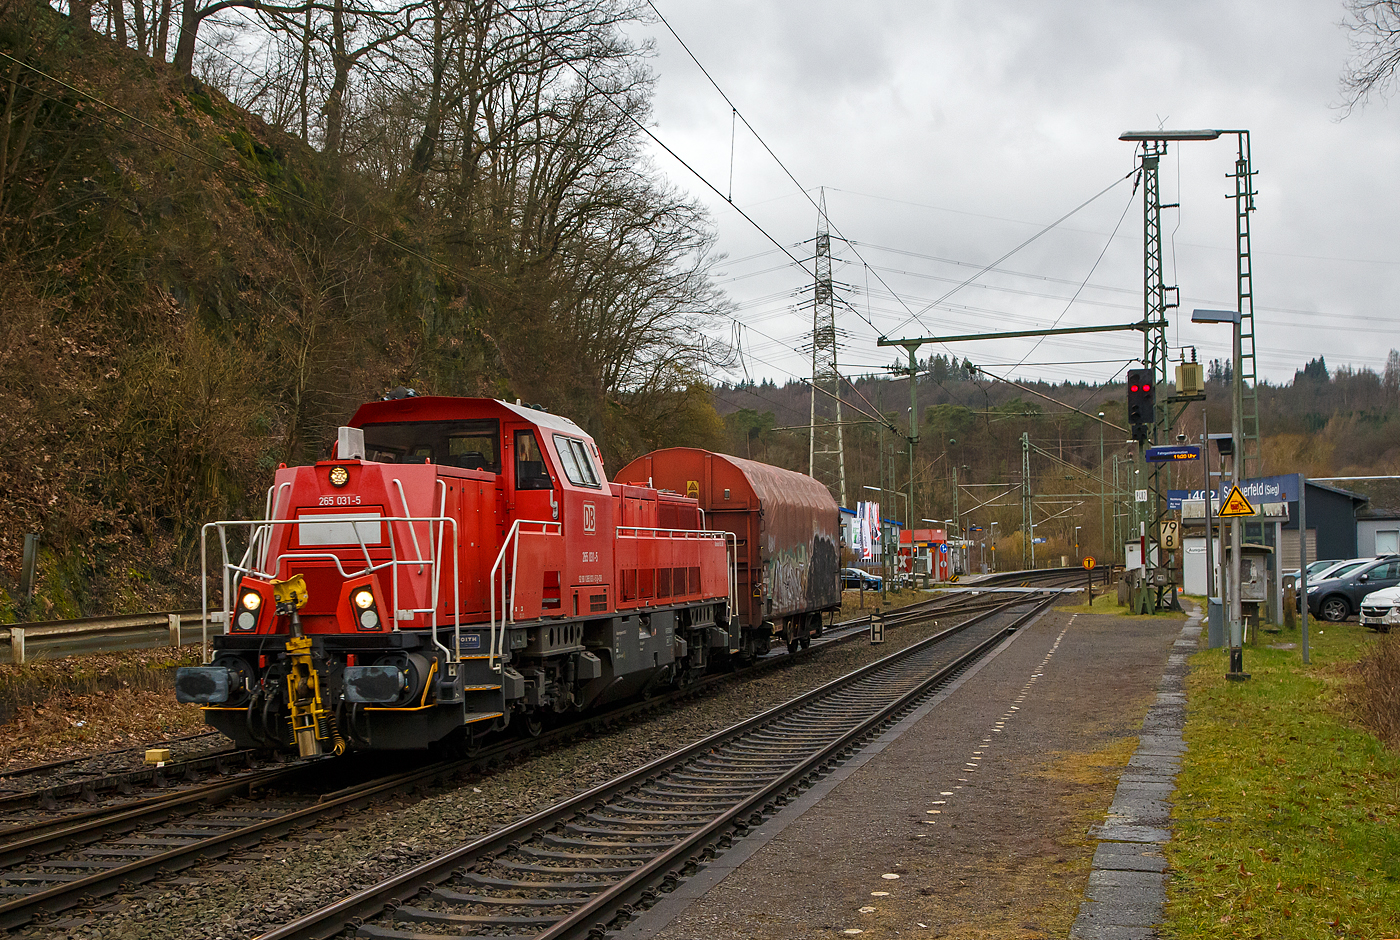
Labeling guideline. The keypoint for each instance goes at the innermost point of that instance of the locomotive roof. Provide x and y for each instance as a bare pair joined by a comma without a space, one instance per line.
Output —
447,407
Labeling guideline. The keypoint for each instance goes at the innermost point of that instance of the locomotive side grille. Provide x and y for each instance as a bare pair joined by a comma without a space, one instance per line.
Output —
597,603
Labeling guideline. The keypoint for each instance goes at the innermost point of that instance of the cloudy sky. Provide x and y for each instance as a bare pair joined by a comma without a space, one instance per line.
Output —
948,133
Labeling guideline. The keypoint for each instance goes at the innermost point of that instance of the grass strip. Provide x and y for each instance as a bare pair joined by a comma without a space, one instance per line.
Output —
1286,811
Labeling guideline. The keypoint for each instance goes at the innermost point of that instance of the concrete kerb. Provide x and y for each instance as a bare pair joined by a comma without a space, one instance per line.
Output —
1127,887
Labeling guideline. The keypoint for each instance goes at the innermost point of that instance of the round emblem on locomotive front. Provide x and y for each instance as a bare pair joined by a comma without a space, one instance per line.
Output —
339,476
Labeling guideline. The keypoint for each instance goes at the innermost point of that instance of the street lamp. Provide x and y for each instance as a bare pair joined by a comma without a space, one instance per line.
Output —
1103,523
953,523
1232,317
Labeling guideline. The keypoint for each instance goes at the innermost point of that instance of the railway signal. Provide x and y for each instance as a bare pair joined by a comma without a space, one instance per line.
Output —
1141,401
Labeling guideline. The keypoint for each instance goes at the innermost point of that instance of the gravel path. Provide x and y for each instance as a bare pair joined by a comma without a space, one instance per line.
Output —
973,823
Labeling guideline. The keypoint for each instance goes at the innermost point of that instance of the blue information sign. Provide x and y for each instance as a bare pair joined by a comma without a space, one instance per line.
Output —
1175,452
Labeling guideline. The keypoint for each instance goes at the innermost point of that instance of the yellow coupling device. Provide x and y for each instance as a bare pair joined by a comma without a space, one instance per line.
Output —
312,721
291,595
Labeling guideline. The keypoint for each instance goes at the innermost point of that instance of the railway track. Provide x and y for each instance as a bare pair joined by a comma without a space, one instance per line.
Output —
61,796
589,863
50,864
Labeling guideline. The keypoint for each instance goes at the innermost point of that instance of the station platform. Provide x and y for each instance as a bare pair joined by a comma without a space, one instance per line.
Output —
982,814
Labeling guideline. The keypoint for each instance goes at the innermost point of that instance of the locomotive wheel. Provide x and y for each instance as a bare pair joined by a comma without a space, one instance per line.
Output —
534,725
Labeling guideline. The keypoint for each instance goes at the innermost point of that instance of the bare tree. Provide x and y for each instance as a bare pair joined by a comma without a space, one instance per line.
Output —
1375,50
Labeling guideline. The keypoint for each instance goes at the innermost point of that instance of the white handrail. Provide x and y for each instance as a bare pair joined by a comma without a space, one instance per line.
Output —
508,605
256,564
412,532
731,571
637,531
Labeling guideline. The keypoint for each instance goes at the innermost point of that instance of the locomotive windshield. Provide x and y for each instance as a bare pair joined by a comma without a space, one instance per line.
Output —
471,445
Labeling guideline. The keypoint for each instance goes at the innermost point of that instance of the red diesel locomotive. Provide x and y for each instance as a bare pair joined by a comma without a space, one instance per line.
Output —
463,564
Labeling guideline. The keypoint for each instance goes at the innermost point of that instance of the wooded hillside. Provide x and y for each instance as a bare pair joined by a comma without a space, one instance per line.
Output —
193,293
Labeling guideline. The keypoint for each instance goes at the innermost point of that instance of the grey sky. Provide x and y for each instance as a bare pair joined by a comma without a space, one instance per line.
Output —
954,131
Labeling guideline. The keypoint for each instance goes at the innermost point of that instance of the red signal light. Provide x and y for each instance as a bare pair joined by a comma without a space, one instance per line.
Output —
1147,388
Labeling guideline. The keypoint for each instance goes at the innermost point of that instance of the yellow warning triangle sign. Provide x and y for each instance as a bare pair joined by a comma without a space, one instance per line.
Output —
1236,505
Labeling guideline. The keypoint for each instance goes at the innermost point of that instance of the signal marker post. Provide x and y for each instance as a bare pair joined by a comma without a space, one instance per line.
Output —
1236,507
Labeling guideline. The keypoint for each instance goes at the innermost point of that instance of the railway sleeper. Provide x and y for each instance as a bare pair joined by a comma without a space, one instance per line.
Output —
565,870
506,884
574,856
594,844
457,897
421,915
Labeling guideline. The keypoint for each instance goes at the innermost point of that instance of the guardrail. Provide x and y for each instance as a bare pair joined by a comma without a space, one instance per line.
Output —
55,639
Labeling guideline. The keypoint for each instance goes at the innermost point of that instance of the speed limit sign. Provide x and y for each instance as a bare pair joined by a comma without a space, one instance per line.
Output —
1171,535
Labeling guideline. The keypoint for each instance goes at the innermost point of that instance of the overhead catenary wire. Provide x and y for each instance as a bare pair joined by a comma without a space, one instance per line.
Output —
988,267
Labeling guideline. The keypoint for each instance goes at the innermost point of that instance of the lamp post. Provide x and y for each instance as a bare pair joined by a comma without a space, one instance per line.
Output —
1232,582
1076,542
950,525
994,547
1103,523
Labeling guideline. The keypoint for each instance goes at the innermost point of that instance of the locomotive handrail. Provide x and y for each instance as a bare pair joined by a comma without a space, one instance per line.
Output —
669,533
508,608
731,550
261,530
412,532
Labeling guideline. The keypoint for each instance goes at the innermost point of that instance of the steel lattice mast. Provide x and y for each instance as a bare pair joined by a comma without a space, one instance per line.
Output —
826,450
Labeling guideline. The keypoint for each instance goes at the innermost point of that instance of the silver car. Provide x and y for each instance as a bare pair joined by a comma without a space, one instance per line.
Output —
1380,610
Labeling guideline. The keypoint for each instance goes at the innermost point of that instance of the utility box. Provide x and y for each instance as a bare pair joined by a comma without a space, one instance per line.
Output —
1256,580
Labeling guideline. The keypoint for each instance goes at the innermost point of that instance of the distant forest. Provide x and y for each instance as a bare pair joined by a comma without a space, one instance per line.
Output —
1326,422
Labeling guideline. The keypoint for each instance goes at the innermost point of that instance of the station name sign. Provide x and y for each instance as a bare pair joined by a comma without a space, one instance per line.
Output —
1279,489
1165,454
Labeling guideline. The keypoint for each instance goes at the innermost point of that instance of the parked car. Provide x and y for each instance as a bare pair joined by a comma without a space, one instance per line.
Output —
1329,569
1380,610
1317,570
855,578
1337,597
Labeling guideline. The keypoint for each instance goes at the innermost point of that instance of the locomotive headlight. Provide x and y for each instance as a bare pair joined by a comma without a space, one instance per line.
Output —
363,598
369,620
246,620
339,476
251,600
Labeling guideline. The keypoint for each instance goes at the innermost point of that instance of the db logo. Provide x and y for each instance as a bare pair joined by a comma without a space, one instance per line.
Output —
590,518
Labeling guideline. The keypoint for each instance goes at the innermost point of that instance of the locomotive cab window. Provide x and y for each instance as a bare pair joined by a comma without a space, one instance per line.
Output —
577,461
470,445
530,470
